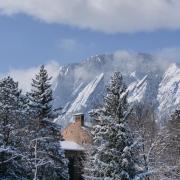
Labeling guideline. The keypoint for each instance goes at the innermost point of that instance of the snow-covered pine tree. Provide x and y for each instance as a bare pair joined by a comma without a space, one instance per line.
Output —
47,158
41,95
115,102
113,154
12,161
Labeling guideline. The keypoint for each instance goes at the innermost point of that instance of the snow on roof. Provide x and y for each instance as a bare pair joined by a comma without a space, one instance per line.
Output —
77,114
70,145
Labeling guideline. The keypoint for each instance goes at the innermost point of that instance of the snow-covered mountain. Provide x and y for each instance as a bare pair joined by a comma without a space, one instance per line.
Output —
169,90
80,87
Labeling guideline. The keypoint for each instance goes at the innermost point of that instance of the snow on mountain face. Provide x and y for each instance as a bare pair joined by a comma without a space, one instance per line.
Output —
169,91
80,87
137,90
82,98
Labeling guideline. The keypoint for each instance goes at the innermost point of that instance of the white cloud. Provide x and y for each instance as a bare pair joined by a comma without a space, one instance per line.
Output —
68,44
102,15
167,56
24,76
130,61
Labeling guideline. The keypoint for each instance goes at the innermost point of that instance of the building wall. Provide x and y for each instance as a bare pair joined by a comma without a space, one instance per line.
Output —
77,133
75,164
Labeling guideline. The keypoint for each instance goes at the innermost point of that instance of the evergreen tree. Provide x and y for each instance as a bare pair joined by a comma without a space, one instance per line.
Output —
41,95
12,161
46,156
113,154
115,102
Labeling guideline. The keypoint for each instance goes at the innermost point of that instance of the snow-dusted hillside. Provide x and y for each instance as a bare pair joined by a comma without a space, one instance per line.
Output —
169,91
80,87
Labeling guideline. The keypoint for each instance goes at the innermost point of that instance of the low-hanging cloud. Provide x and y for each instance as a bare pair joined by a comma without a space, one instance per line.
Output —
109,16
160,60
128,62
169,54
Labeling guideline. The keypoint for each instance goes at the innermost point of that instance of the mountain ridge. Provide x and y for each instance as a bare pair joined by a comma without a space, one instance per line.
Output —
143,74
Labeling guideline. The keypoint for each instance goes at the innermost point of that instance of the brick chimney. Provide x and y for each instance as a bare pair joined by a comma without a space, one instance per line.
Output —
79,119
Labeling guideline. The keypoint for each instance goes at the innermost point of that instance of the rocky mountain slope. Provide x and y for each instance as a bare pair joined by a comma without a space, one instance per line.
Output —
80,87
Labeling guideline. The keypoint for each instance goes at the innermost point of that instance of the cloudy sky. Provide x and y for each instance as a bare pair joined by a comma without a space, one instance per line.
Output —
34,32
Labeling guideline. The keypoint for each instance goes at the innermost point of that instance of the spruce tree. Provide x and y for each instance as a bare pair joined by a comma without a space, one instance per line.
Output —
41,95
46,156
115,102
113,154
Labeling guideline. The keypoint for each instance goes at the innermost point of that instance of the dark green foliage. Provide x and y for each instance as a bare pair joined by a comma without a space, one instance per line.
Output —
41,95
47,157
115,101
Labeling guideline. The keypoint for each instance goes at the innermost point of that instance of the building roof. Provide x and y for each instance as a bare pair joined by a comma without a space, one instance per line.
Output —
77,114
70,145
